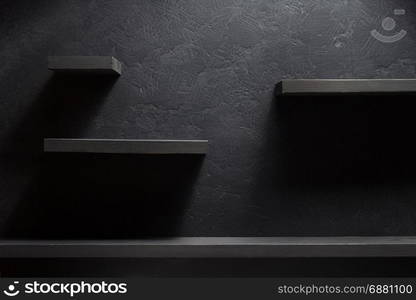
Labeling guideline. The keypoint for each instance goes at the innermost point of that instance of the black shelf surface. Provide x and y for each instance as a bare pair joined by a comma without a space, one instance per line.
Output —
215,247
126,146
85,64
345,86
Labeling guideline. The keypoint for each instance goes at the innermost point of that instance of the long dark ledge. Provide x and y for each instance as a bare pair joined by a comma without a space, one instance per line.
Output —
216,247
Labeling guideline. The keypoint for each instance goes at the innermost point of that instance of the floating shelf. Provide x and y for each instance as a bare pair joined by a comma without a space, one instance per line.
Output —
85,64
126,146
345,86
216,247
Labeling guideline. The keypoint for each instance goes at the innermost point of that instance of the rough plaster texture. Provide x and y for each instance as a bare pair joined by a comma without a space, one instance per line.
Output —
206,69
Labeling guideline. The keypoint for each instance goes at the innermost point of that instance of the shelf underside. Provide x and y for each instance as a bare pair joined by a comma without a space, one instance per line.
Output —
85,64
346,86
216,247
119,146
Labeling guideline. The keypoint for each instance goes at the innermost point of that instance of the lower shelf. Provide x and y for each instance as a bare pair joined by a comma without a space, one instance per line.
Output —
125,146
216,247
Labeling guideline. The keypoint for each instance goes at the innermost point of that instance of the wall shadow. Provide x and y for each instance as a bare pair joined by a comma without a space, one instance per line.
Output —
349,140
63,108
337,165
271,181
87,196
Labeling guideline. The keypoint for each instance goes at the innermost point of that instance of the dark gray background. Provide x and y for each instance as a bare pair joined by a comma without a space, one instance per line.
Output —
206,69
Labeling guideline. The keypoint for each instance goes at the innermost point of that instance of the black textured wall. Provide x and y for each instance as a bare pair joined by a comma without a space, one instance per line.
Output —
206,69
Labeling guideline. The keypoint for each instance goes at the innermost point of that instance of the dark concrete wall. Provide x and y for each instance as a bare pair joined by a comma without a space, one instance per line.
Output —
206,70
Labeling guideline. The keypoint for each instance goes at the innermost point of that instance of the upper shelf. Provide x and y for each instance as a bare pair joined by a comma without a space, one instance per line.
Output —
85,64
216,247
345,86
126,146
